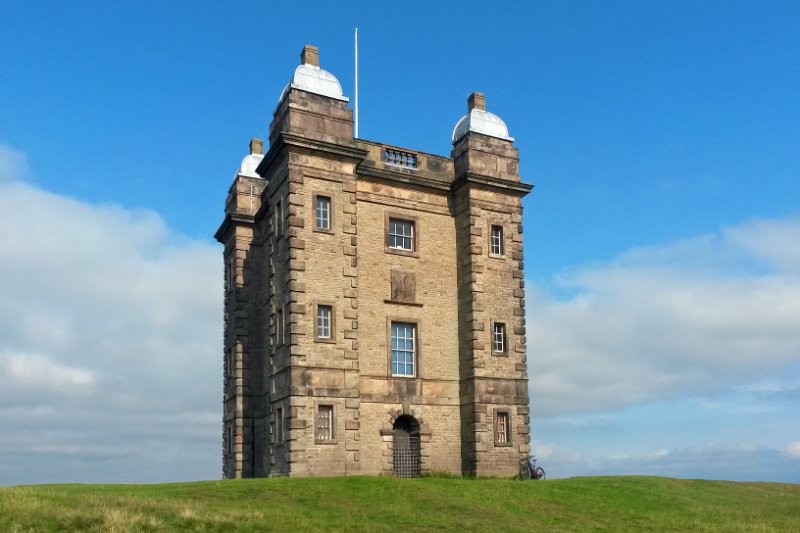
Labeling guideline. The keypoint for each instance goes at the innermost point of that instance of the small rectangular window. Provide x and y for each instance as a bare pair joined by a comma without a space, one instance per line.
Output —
401,234
324,313
496,244
322,213
499,337
502,428
325,426
403,348
228,440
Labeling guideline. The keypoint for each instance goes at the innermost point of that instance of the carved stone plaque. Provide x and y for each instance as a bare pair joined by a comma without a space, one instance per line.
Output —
404,286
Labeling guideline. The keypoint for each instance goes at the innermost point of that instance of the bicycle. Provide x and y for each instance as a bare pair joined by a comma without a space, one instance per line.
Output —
529,470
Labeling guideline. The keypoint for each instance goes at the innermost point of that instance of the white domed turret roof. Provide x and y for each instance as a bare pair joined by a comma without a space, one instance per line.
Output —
480,121
249,165
311,78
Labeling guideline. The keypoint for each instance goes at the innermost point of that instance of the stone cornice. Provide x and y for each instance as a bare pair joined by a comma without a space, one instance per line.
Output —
364,171
292,139
515,188
231,219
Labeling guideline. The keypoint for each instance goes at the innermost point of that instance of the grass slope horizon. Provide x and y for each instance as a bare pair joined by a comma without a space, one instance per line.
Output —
625,503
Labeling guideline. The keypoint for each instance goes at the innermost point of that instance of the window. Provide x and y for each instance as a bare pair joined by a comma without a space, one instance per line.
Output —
401,235
496,244
229,440
279,217
499,337
280,326
229,363
403,348
324,327
279,426
502,429
231,271
325,427
322,213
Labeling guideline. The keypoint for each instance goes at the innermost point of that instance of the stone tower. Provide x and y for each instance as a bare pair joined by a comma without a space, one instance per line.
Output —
374,304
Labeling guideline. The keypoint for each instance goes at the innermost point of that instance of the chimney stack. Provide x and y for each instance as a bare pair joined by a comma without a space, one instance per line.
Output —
310,55
477,101
256,146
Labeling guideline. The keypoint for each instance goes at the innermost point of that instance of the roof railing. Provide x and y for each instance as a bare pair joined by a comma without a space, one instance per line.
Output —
400,158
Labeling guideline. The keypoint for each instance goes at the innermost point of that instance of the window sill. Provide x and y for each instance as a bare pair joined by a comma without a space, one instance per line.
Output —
400,302
399,251
323,340
503,444
321,230
325,441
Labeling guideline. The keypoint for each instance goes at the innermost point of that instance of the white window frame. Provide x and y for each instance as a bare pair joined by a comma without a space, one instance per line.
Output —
502,428
325,424
403,239
499,337
324,325
403,347
496,244
322,213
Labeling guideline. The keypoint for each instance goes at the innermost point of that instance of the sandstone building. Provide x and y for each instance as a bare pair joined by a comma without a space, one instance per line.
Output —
374,305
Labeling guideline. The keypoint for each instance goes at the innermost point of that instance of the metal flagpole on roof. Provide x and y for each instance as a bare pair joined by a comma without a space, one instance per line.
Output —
356,95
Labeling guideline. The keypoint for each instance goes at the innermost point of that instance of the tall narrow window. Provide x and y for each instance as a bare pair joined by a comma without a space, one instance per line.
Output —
231,271
502,428
279,425
229,440
325,423
229,363
280,325
403,348
499,337
497,240
324,313
401,234
279,217
322,218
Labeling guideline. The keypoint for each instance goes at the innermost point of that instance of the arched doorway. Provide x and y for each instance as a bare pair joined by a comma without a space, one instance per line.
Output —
405,448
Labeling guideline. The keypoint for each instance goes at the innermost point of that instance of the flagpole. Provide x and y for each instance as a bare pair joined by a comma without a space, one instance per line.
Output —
356,69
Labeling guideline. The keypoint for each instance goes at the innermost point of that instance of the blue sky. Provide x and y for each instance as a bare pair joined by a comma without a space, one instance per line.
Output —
662,240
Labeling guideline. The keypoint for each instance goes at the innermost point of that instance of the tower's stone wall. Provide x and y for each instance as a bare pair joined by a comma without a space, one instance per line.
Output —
301,403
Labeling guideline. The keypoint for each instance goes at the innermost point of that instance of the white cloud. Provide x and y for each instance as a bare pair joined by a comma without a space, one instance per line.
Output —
38,371
793,449
738,461
690,317
774,241
111,341
13,165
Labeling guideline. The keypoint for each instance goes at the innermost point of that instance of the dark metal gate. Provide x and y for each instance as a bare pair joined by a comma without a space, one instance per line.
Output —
405,450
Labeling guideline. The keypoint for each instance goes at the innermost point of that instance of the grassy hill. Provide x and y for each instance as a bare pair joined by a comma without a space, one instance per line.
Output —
386,504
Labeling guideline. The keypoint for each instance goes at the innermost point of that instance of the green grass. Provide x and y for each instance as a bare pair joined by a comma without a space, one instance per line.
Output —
386,504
